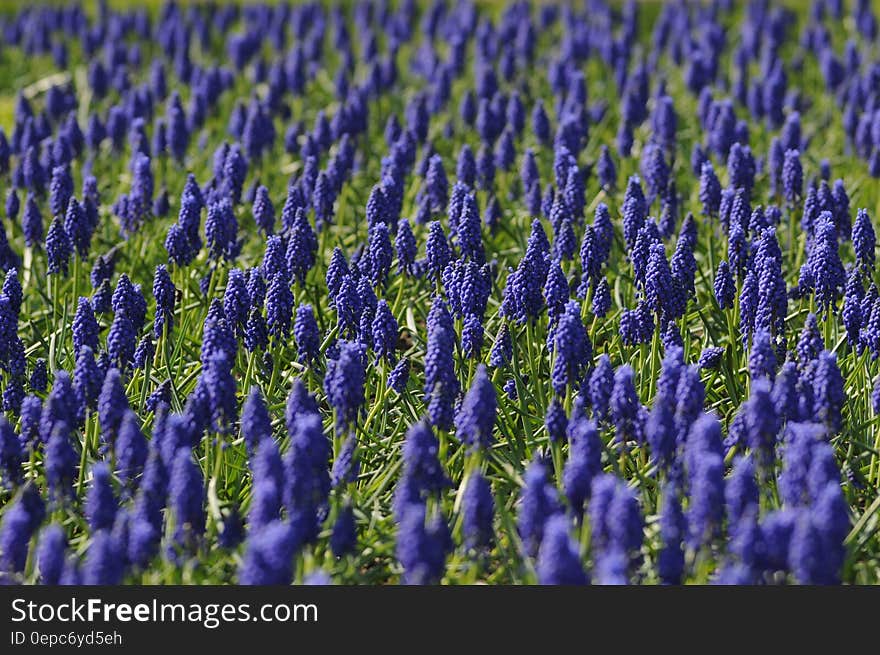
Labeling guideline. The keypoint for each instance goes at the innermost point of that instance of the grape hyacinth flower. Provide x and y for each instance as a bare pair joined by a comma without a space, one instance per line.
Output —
478,511
59,249
476,418
792,176
558,558
186,495
306,334
51,553
268,555
538,503
101,506
344,382
864,240
584,462
624,405
673,531
422,546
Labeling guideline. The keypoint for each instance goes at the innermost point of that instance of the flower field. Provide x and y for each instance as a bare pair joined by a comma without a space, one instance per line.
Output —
415,292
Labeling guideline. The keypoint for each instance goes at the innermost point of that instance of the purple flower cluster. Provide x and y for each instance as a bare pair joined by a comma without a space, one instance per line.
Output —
494,328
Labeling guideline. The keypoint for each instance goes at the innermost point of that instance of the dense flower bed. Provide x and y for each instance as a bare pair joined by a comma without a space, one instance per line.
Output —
440,292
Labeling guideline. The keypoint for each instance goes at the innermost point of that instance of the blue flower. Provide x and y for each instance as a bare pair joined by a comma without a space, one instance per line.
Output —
505,151
706,507
302,245
100,505
792,176
436,185
256,424
761,420
710,189
60,460
864,240
236,301
485,168
470,239
279,307
39,379
559,558
130,449
165,294
85,327
538,503
584,462
572,349
399,375
104,562
437,250
268,485
12,204
601,303
268,555
221,230
58,247
476,418
829,394
689,398
264,210
502,349
634,210
32,223
830,516
540,122
421,466
50,554
600,387
274,259
346,466
60,190
478,511
741,491
441,382
824,262
529,174
660,292
10,455
523,297
379,254
606,170
673,531
307,474
405,245
466,166
344,382
624,405
762,357
186,496
421,548
710,357
615,519
655,170
343,538
306,334
555,420
810,343
648,236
